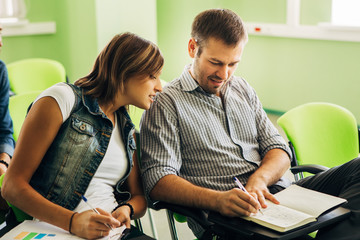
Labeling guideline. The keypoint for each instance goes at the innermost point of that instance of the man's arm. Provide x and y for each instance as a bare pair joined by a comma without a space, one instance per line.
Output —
273,150
174,189
272,168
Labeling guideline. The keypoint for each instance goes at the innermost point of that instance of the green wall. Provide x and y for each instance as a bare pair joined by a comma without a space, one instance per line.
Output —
73,44
83,28
285,72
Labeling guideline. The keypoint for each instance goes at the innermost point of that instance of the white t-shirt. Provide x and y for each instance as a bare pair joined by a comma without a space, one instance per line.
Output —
114,164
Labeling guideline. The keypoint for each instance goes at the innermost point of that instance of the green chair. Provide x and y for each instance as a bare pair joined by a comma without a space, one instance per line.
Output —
35,74
135,115
320,133
18,106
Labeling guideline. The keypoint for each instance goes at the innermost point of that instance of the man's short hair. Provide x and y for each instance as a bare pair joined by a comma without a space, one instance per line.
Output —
222,24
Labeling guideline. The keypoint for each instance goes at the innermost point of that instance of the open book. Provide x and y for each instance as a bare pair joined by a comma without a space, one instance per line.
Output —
298,206
34,229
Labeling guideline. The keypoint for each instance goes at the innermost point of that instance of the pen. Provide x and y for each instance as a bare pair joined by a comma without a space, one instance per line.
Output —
94,209
244,189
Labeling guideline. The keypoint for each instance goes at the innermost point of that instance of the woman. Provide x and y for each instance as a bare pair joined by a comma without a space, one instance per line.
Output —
78,140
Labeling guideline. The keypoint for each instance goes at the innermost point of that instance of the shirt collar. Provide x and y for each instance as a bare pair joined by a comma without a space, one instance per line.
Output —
187,81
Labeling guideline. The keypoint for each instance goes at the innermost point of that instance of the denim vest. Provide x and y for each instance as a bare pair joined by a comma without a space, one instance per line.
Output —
78,149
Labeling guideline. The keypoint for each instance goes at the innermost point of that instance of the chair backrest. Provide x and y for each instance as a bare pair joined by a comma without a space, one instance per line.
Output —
135,115
35,74
321,133
18,106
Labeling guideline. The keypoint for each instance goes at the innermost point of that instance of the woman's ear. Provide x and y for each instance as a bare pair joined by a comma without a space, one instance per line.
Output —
192,46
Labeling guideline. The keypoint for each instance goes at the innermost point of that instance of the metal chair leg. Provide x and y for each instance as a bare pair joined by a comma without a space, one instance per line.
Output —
138,225
152,225
172,225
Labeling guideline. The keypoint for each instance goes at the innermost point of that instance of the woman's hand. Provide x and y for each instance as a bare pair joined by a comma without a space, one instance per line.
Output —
122,214
91,225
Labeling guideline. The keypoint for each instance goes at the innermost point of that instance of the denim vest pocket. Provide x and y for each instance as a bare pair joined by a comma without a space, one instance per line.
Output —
82,127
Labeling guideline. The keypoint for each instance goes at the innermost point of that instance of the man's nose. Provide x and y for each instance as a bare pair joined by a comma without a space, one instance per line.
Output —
223,72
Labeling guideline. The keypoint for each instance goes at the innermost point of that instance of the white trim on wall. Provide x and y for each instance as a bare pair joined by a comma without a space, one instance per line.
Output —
320,32
293,28
35,28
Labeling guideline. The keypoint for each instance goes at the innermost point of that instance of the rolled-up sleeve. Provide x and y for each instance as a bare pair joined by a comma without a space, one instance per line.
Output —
159,138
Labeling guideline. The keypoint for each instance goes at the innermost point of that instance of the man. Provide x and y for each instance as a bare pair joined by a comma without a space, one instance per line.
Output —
6,129
208,127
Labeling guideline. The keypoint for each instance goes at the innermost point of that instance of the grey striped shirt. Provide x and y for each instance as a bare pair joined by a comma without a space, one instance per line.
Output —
204,139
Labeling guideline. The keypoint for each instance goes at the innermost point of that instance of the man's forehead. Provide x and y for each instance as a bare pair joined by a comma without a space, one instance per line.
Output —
220,52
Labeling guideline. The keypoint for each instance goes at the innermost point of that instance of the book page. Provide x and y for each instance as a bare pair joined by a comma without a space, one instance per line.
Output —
280,218
307,201
33,229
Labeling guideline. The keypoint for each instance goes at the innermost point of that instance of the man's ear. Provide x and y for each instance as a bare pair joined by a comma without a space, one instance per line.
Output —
192,46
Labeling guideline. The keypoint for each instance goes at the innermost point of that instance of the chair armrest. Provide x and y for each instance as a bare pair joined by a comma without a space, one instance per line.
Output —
197,214
310,168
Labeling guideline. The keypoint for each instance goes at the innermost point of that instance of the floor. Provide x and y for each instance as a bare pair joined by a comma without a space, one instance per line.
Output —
160,221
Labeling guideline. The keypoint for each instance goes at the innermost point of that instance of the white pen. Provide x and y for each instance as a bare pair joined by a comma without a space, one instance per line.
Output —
94,209
244,189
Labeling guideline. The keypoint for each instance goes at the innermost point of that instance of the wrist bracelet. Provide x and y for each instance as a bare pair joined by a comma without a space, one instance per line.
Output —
70,223
130,206
5,163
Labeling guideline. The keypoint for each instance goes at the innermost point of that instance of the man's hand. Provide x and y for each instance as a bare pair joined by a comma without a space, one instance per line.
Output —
235,202
258,188
272,168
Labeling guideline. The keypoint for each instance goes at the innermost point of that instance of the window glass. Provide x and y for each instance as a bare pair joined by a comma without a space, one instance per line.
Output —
345,12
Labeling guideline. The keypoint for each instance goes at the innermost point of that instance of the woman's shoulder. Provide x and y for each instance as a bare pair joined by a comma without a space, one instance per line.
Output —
59,90
63,95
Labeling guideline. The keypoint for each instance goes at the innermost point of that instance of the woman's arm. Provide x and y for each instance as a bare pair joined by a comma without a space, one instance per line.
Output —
135,187
137,201
38,132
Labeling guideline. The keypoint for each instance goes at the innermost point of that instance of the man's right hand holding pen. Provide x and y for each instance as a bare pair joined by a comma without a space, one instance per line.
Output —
238,183
241,202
